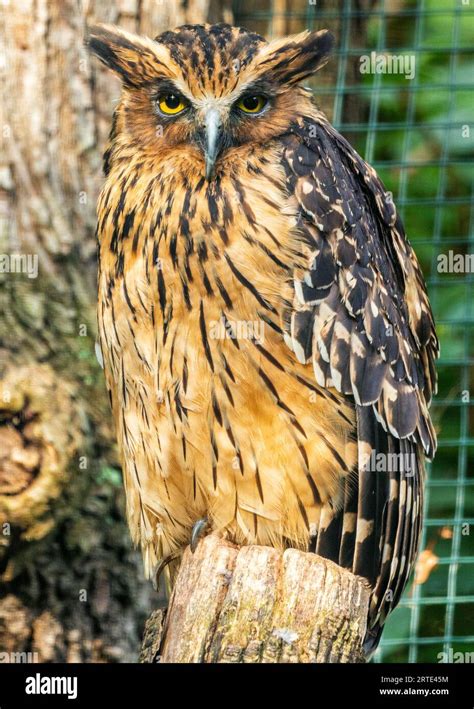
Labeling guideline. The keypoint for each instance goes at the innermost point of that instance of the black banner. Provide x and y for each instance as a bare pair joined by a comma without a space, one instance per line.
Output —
373,685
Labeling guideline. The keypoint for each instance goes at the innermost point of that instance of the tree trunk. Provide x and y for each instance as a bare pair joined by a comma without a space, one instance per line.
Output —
257,604
71,588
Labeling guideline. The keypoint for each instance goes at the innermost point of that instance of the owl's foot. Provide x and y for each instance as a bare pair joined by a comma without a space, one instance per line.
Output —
161,566
198,530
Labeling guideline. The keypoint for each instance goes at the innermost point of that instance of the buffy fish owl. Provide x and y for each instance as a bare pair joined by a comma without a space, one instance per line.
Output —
267,339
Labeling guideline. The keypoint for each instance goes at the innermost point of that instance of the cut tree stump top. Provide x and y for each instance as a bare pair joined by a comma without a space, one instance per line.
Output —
257,604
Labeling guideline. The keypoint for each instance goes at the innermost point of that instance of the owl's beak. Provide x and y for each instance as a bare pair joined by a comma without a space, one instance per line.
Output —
213,140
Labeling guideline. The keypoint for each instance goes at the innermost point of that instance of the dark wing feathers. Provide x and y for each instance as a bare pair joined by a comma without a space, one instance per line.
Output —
363,268
361,313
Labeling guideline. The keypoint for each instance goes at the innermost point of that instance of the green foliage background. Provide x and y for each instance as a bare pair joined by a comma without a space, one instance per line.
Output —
426,160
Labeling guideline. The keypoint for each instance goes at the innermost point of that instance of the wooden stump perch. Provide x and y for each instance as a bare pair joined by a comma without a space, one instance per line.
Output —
259,604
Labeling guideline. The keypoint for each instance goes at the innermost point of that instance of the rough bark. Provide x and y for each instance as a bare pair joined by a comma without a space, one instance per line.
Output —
71,588
259,605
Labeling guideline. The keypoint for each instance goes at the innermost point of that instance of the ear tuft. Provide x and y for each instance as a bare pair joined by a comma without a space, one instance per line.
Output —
292,59
137,60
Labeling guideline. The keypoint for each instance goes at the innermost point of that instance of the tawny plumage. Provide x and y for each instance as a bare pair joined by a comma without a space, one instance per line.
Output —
264,323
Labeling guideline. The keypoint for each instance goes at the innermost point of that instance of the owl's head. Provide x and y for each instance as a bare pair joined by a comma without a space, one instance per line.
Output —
210,88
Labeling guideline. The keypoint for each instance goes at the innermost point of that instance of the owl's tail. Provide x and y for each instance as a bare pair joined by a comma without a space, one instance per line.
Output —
377,532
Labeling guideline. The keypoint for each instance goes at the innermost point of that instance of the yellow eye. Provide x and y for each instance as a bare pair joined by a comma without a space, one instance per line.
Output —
171,104
252,104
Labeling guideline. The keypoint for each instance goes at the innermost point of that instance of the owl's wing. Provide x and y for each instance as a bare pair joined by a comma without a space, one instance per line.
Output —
362,317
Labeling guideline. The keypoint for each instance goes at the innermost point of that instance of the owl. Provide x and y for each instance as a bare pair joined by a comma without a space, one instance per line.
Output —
267,339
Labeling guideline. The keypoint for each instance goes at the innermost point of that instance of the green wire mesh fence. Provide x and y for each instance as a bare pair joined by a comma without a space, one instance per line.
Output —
400,88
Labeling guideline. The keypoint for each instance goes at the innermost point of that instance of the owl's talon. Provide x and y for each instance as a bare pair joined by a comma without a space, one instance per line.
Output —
161,566
198,530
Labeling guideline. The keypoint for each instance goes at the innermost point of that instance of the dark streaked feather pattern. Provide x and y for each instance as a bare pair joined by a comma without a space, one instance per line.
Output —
294,231
372,337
